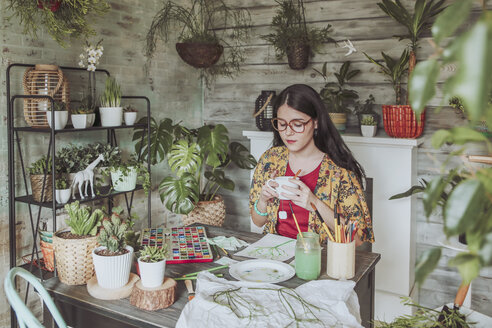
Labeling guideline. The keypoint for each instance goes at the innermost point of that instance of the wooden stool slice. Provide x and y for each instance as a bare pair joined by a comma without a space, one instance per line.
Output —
152,299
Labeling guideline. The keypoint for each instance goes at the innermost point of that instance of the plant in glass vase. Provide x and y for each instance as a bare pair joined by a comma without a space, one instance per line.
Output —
292,37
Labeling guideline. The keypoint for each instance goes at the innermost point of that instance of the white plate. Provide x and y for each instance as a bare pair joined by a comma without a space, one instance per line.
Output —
264,271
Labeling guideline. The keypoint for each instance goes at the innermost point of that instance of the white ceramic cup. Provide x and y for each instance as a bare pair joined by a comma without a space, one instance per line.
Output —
282,181
340,262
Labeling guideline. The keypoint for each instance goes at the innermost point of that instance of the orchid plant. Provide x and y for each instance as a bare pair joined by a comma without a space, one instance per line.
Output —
90,57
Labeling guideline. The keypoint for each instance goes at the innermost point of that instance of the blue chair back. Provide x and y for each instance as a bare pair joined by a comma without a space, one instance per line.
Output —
25,317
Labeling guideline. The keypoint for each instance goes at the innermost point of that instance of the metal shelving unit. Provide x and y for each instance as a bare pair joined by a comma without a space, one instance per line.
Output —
14,144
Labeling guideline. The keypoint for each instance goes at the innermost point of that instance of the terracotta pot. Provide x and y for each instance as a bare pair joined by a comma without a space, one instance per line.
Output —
199,55
400,121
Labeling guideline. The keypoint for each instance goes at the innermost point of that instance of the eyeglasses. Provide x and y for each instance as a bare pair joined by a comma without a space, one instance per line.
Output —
297,126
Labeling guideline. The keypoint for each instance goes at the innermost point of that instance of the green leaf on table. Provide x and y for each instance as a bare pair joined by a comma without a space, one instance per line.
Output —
463,206
468,265
422,84
451,19
426,263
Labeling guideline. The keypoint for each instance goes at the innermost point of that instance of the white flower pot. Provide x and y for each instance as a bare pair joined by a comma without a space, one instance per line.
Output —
61,119
62,195
368,130
80,121
130,118
124,183
152,274
112,271
91,118
111,116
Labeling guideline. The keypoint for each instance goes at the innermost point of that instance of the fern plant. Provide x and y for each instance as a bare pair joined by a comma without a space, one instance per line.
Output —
152,254
82,221
112,234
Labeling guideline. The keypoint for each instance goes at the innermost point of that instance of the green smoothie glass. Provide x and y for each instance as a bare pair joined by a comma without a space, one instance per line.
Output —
308,256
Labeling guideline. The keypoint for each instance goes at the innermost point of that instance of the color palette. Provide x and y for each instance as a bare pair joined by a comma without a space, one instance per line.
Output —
185,244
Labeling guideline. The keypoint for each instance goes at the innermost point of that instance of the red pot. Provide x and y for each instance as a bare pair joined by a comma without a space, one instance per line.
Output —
53,4
400,121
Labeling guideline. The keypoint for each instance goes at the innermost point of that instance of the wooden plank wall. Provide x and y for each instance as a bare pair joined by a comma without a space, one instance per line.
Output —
231,102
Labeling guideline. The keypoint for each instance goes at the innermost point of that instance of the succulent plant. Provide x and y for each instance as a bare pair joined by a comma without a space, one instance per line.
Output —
82,221
368,120
58,106
152,254
112,233
130,109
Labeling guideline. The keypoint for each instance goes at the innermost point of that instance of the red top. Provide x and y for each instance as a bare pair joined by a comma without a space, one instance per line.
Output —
287,227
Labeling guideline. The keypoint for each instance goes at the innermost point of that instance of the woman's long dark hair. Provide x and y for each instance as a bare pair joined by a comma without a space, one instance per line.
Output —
305,99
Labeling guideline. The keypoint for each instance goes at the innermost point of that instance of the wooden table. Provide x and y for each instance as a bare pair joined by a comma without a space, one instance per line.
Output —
82,310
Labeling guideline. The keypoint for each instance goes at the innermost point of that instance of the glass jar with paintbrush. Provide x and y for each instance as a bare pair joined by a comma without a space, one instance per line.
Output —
308,253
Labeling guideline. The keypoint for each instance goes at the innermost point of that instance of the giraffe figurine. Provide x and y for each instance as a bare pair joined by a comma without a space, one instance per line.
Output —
85,177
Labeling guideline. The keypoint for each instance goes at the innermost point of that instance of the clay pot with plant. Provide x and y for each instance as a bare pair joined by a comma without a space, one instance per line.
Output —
73,247
113,258
292,36
337,97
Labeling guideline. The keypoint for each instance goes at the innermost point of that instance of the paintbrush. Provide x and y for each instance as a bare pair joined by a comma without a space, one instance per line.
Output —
295,176
298,228
189,287
225,252
324,224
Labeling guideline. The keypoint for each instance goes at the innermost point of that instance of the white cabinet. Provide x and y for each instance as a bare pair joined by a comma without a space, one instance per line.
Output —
392,163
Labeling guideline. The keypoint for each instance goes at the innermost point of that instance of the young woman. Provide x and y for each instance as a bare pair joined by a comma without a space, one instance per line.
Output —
305,139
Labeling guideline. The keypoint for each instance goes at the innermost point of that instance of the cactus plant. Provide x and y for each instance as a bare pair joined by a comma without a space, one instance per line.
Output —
112,234
81,221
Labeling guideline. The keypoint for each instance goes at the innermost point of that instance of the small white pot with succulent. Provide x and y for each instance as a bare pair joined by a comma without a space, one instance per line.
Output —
110,109
113,259
61,115
130,115
152,265
84,116
368,126
62,191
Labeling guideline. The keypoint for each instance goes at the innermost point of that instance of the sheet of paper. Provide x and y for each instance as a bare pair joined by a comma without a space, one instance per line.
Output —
271,247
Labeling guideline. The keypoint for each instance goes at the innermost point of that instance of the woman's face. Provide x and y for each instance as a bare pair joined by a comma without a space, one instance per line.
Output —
296,141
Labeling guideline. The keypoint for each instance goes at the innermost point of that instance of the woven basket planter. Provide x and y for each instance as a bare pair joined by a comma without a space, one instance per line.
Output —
298,55
43,80
207,212
74,258
400,121
37,187
339,120
199,55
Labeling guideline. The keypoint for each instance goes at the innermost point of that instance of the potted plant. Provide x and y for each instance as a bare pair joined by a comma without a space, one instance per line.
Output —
84,116
130,115
61,115
124,174
113,259
152,265
62,191
73,247
206,27
110,110
195,154
368,126
41,180
366,110
112,155
62,20
292,37
336,96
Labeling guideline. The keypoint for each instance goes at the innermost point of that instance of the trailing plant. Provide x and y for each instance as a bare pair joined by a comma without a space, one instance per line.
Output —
112,93
368,120
130,166
416,23
40,166
152,254
61,183
111,154
335,95
205,21
65,20
82,220
112,232
468,209
395,69
289,25
72,159
130,109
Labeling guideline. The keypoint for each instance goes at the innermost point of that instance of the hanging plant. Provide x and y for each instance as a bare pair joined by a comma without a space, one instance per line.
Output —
292,37
207,28
62,19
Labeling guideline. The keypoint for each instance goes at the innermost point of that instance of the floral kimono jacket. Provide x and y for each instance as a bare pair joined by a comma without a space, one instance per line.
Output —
335,184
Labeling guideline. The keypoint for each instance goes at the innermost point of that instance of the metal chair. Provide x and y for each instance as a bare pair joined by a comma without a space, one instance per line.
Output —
24,316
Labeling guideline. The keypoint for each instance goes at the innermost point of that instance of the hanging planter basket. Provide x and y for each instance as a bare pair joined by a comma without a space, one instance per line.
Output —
207,212
199,55
298,55
400,121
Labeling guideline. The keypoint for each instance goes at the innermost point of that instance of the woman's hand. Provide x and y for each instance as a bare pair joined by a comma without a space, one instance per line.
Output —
302,196
267,193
